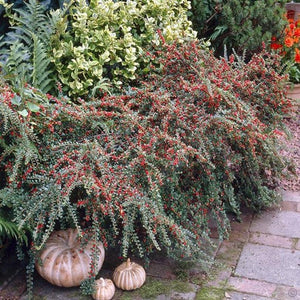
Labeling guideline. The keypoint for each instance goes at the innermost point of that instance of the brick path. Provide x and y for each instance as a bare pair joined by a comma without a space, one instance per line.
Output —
262,256
260,261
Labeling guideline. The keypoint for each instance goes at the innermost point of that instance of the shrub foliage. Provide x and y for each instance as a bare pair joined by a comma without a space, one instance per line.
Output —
24,54
108,39
238,24
150,167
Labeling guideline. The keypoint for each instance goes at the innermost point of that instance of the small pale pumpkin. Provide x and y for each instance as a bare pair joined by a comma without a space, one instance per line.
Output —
105,289
64,262
129,276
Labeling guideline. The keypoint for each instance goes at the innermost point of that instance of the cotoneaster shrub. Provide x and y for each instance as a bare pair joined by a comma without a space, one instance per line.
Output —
109,39
149,168
246,103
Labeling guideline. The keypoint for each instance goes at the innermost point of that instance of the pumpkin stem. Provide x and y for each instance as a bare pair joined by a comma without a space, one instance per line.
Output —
128,263
102,282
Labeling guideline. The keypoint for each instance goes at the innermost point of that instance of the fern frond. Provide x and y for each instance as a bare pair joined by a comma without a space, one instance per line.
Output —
15,63
16,35
28,42
41,75
32,19
9,230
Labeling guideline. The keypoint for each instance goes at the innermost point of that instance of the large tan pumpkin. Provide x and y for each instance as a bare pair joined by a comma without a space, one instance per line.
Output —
63,261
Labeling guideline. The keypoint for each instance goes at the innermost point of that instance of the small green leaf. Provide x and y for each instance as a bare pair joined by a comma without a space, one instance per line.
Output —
23,112
16,100
32,107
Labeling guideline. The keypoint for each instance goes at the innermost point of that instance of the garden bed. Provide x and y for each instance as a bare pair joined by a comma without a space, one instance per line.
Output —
293,151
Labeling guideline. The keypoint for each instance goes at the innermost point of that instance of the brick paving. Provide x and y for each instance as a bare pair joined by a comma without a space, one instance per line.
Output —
268,266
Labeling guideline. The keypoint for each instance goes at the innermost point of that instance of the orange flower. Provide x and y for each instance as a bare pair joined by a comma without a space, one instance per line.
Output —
297,55
297,32
288,32
289,42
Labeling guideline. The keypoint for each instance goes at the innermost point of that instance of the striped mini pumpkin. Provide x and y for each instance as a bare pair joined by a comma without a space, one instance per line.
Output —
64,262
104,290
129,276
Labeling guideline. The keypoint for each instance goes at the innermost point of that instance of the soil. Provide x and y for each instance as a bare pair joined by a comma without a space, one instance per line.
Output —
292,151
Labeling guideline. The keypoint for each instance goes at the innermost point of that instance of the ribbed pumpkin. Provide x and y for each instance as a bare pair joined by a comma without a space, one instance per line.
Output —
64,262
105,289
129,276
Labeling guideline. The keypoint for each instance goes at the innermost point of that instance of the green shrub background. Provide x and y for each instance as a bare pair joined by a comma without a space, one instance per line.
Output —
239,24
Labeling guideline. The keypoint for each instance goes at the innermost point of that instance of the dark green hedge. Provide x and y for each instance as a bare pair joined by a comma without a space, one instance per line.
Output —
238,24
